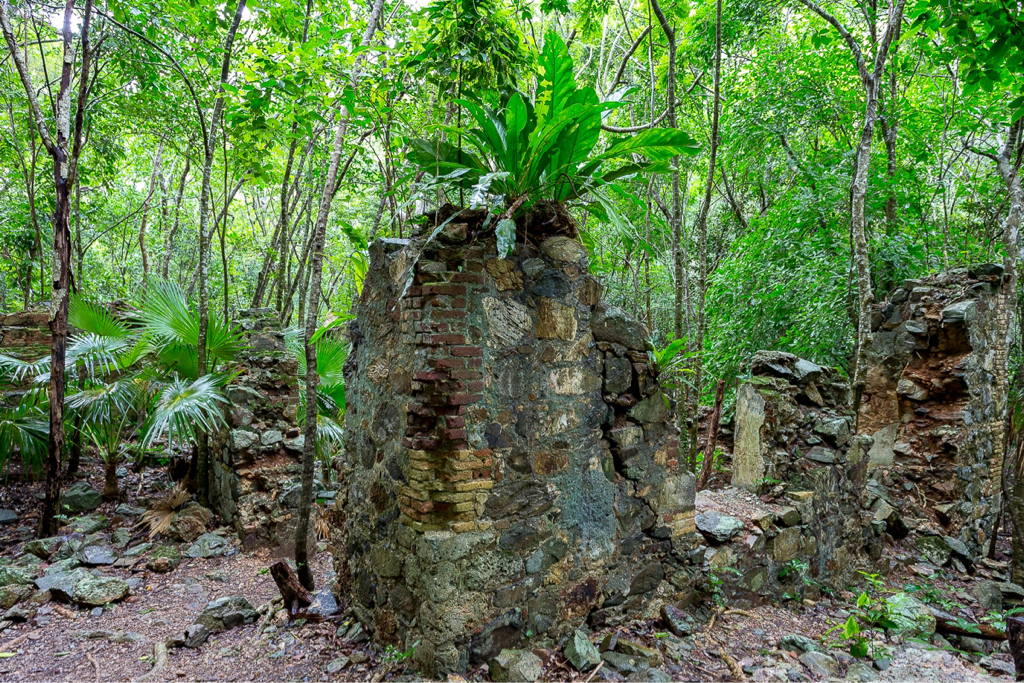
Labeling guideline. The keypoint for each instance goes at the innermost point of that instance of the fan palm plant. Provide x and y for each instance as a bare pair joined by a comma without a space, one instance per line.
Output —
105,412
139,374
25,430
331,355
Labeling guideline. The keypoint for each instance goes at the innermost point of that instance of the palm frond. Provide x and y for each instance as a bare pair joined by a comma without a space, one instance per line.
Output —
331,399
25,429
331,355
185,407
94,319
166,315
159,516
105,402
99,355
18,369
171,326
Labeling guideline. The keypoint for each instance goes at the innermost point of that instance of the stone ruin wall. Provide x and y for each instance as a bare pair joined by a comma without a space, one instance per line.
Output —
795,447
255,460
936,397
24,335
511,463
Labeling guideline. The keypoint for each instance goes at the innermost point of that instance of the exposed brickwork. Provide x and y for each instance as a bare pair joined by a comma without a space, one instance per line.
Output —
445,473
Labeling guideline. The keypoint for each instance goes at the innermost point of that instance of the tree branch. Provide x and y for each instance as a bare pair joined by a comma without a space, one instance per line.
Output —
851,42
26,79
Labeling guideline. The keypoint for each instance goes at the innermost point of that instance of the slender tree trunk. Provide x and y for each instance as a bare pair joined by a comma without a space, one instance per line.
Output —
111,490
58,147
312,316
713,428
205,197
145,212
1012,146
702,231
890,127
165,264
870,78
676,222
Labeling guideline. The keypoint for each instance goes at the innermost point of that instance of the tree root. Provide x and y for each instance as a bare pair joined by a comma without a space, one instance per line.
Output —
734,668
159,660
740,612
95,664
594,672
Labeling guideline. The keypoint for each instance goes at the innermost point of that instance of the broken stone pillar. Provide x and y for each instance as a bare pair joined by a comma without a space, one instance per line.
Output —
795,442
936,398
511,461
255,459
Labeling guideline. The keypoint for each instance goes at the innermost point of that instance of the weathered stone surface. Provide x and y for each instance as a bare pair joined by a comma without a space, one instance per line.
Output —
787,516
821,454
8,517
196,635
718,526
208,545
614,325
935,549
13,594
786,545
163,559
61,584
651,409
912,617
96,555
676,620
988,595
748,461
80,497
820,664
95,591
555,320
563,249
515,665
508,321
16,576
226,613
618,374
43,548
89,524
625,664
796,642
580,652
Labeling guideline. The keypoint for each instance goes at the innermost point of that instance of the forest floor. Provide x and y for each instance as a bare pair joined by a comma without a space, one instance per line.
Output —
50,640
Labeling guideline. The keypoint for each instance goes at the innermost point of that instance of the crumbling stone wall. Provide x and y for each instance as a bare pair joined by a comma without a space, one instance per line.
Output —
255,459
936,398
25,335
795,445
511,461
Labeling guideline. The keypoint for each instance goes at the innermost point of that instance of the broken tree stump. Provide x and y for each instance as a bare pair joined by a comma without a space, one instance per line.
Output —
1015,634
293,592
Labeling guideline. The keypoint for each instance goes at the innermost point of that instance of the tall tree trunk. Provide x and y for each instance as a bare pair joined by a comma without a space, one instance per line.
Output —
165,264
702,231
312,315
145,212
63,150
677,252
859,185
205,199
1012,147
